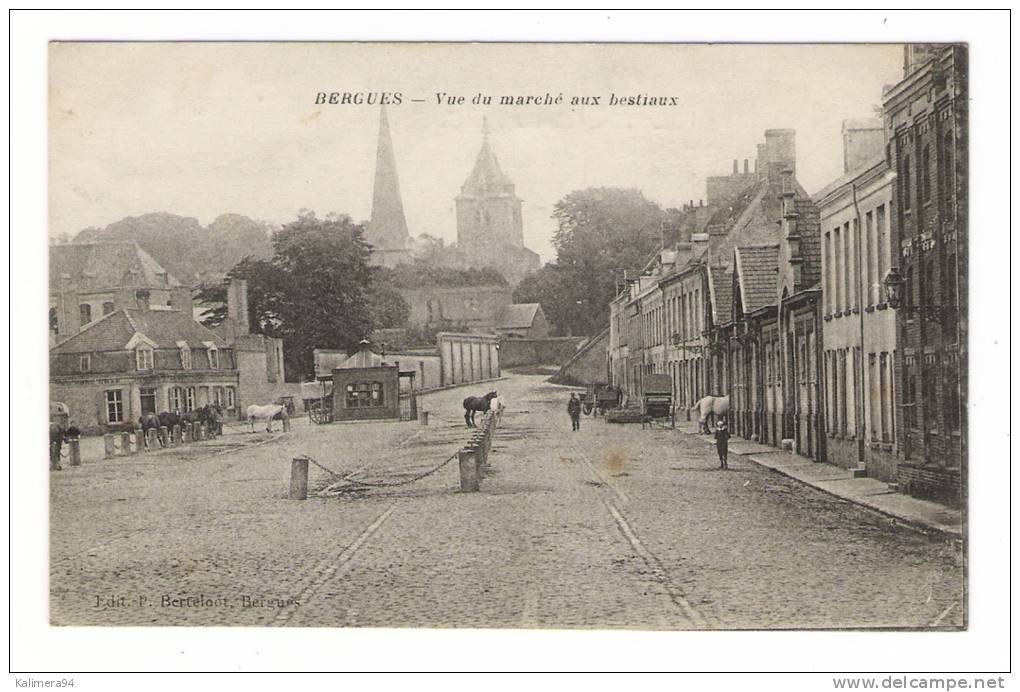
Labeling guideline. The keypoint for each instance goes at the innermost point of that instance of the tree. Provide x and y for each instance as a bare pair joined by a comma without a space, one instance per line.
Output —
387,305
600,231
312,293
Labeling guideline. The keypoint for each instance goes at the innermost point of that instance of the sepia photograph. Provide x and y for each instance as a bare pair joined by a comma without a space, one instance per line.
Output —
550,336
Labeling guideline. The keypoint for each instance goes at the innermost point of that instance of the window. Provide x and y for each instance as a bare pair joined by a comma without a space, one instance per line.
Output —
114,406
837,271
885,385
85,313
53,320
929,394
107,308
910,400
908,291
882,246
176,398
148,400
870,259
189,399
143,358
951,399
874,397
828,273
905,181
847,277
86,362
947,166
925,174
365,394
855,252
214,358
185,357
231,397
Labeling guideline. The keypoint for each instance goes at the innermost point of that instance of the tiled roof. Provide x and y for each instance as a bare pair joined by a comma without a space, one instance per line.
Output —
722,293
486,177
103,265
518,316
364,358
163,327
758,275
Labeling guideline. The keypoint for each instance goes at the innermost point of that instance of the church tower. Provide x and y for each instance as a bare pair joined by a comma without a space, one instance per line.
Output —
387,229
489,227
488,209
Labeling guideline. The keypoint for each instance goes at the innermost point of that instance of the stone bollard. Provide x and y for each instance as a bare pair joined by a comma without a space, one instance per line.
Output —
298,479
201,431
468,471
424,418
152,439
164,436
286,424
193,431
108,446
74,452
125,443
177,434
139,441
186,434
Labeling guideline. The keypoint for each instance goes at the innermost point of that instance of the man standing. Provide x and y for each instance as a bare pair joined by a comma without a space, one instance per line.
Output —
722,438
574,409
56,442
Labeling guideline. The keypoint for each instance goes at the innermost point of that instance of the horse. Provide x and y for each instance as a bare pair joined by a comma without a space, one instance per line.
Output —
150,421
714,406
497,407
267,412
474,404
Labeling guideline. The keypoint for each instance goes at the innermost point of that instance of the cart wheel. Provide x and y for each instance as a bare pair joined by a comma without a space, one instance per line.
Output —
587,409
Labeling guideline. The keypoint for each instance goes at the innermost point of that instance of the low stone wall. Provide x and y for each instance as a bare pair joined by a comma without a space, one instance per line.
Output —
551,351
928,482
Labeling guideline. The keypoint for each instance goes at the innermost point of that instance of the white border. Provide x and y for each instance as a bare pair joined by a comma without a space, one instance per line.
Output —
984,647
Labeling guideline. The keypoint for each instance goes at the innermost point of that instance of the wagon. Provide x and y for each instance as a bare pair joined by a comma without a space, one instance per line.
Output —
599,398
657,399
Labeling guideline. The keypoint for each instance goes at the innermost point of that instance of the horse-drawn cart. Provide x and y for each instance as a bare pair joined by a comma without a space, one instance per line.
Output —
657,399
599,398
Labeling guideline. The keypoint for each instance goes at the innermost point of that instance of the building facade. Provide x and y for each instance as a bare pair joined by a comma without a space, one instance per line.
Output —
856,213
135,362
926,127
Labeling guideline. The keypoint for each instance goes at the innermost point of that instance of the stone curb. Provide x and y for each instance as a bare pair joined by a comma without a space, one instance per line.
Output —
911,522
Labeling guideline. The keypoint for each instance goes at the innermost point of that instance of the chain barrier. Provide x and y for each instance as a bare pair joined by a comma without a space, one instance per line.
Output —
368,484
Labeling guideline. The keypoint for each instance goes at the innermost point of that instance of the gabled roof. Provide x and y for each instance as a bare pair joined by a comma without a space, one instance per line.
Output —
364,358
518,316
720,288
163,328
105,265
757,269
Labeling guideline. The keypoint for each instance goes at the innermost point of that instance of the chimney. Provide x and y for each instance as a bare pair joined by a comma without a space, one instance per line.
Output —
863,142
791,228
237,305
780,153
746,168
735,171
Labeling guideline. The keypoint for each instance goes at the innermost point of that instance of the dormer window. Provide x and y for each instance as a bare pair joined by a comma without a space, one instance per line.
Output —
143,358
213,353
185,354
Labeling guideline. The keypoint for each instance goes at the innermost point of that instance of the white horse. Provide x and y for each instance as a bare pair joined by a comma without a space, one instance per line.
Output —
268,412
714,406
497,407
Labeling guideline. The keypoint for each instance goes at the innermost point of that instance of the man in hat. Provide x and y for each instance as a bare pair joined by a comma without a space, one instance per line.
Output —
722,438
574,409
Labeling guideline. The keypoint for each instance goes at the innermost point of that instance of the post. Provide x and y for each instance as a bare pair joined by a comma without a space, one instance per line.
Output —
139,441
108,446
298,479
74,452
468,471
424,418
151,438
164,436
194,432
177,434
125,443
286,423
201,431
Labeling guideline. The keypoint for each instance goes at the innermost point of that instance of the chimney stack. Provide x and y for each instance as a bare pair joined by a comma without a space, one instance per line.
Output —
735,171
237,305
863,142
780,153
746,168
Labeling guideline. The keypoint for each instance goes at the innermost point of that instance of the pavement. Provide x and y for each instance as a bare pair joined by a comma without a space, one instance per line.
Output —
611,527
872,493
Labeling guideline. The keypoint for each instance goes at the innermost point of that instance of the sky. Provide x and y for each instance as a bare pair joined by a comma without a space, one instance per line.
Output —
207,129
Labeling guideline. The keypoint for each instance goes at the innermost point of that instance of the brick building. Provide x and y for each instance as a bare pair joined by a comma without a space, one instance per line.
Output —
926,128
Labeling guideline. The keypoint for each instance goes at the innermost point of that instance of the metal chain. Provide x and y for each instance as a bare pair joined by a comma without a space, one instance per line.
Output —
347,478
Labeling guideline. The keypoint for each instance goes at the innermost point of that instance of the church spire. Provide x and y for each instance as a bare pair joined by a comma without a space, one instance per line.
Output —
387,228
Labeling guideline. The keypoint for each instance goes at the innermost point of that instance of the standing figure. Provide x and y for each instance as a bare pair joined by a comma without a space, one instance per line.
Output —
574,409
722,438
56,442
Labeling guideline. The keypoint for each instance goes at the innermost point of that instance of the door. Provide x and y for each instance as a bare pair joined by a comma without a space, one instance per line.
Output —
148,400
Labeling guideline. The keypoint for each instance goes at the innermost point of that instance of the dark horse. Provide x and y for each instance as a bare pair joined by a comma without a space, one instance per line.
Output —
474,404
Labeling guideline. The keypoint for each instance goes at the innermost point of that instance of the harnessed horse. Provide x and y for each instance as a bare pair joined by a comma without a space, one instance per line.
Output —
474,404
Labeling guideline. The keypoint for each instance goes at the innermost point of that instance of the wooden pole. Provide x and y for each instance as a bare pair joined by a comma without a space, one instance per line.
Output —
108,449
299,479
74,452
468,470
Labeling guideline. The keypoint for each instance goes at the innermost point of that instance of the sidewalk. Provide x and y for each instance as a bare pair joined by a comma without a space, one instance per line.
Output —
872,493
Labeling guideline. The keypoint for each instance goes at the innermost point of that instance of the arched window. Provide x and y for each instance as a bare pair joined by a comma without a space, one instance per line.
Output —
85,313
906,182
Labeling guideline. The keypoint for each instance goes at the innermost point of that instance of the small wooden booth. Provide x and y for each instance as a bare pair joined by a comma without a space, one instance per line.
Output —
366,387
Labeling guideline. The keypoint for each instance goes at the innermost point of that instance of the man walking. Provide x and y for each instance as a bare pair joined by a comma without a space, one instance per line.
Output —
574,409
722,438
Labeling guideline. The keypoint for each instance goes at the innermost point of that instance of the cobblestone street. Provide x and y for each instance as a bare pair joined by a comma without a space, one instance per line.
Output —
609,527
